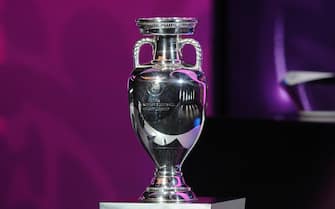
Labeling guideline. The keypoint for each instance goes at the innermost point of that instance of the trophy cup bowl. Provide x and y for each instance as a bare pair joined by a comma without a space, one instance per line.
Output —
167,100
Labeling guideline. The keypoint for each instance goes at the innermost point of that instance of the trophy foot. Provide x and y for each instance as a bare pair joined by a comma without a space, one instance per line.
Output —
168,186
172,195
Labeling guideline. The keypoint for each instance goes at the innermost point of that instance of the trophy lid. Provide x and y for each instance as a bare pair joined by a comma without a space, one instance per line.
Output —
167,25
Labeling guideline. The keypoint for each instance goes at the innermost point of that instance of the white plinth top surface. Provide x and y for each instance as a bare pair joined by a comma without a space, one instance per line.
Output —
231,204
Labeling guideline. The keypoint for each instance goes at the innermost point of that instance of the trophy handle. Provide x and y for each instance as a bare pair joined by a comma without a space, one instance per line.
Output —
137,48
198,52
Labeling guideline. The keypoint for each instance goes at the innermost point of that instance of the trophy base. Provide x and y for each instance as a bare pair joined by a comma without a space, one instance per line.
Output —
168,185
176,194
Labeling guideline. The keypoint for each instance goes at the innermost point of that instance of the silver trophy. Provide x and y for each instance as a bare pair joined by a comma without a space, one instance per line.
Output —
167,101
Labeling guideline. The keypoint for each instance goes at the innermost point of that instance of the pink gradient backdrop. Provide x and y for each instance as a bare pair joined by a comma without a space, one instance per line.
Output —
65,134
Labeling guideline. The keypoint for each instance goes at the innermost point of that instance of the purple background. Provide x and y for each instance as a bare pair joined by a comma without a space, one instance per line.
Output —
65,134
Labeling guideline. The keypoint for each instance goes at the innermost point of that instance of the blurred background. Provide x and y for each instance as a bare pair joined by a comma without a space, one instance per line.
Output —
65,134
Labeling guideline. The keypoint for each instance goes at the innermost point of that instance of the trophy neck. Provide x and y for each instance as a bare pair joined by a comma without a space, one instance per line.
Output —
166,52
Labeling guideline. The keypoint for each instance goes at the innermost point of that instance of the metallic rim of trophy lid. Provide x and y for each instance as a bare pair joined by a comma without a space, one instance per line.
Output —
167,25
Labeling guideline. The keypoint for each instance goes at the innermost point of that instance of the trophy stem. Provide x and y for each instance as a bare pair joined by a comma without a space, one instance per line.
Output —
168,185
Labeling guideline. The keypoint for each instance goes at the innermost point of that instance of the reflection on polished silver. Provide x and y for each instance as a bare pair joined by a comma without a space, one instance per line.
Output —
167,101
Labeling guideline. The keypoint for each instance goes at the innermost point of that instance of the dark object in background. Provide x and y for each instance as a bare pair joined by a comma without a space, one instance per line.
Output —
274,164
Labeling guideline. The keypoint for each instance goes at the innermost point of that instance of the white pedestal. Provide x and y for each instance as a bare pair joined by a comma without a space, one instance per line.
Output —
230,204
